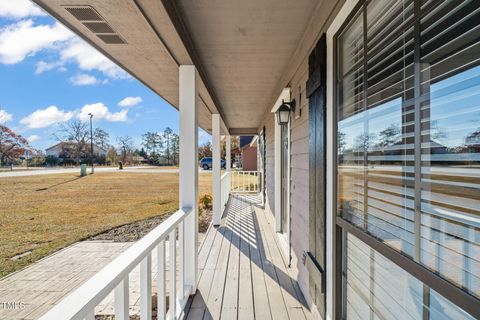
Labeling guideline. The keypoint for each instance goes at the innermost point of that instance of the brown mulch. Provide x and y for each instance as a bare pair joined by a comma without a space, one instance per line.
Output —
135,231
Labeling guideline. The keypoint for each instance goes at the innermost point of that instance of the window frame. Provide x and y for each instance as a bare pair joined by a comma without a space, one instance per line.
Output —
341,226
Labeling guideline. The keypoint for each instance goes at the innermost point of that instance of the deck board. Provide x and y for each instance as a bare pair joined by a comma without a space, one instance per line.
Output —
292,300
243,274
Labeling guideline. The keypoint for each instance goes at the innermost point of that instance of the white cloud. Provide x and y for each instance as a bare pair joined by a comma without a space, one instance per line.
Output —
42,66
130,102
101,112
88,59
33,138
86,80
19,9
22,39
5,116
46,117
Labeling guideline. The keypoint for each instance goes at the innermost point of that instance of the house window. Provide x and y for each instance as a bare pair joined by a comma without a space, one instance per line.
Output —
376,288
408,136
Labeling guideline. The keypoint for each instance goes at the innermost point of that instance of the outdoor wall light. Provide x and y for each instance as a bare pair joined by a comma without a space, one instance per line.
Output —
283,113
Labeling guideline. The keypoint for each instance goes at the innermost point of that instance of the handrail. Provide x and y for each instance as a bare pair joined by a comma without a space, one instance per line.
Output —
81,302
224,175
245,181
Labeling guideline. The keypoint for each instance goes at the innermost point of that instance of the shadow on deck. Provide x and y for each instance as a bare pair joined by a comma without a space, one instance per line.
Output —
242,272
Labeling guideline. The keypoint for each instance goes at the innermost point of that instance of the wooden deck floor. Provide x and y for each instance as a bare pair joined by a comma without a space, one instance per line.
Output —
242,273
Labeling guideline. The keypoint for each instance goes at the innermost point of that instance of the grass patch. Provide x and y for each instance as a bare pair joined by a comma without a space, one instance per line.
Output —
45,213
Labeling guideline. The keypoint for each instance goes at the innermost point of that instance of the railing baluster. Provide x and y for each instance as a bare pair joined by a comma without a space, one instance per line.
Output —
161,294
181,262
146,287
173,275
252,178
243,181
122,300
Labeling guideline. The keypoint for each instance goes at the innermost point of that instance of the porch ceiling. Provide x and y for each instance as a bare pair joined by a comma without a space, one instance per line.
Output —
245,47
241,48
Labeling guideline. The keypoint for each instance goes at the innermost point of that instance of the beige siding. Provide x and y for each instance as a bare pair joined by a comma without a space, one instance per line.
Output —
298,174
295,77
299,178
270,162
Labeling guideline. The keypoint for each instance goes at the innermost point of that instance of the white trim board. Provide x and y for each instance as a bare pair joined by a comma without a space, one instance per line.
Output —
345,11
283,236
285,95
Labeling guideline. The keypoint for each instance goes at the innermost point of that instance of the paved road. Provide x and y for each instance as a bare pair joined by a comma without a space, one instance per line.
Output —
35,172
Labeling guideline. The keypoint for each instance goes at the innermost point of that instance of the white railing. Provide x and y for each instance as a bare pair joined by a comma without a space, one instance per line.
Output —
245,181
81,303
224,188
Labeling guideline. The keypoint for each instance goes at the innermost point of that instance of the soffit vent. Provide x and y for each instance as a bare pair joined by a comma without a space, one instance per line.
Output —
111,38
84,13
99,27
94,22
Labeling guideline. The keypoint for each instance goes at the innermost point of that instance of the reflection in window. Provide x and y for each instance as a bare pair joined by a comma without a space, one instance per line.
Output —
383,121
375,131
376,288
450,142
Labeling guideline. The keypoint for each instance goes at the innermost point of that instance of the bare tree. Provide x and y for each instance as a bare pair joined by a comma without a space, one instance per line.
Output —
125,145
101,138
76,132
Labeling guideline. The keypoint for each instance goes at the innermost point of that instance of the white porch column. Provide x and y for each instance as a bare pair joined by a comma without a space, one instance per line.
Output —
216,166
189,169
228,151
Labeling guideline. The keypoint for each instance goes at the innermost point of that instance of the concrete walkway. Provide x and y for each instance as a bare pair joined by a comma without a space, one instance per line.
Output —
29,293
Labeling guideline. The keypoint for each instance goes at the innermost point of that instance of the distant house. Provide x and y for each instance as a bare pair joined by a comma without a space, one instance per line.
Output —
62,148
248,153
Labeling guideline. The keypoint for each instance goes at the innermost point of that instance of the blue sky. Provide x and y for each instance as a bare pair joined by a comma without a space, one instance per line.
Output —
48,75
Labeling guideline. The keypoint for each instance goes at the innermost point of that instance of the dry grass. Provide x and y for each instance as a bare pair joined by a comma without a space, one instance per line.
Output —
45,213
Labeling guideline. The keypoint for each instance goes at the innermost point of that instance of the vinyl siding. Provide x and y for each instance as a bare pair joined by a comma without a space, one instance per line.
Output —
299,177
270,163
295,77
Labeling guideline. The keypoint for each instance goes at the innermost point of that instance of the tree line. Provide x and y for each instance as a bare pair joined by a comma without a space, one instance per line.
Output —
74,144
73,137
157,148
